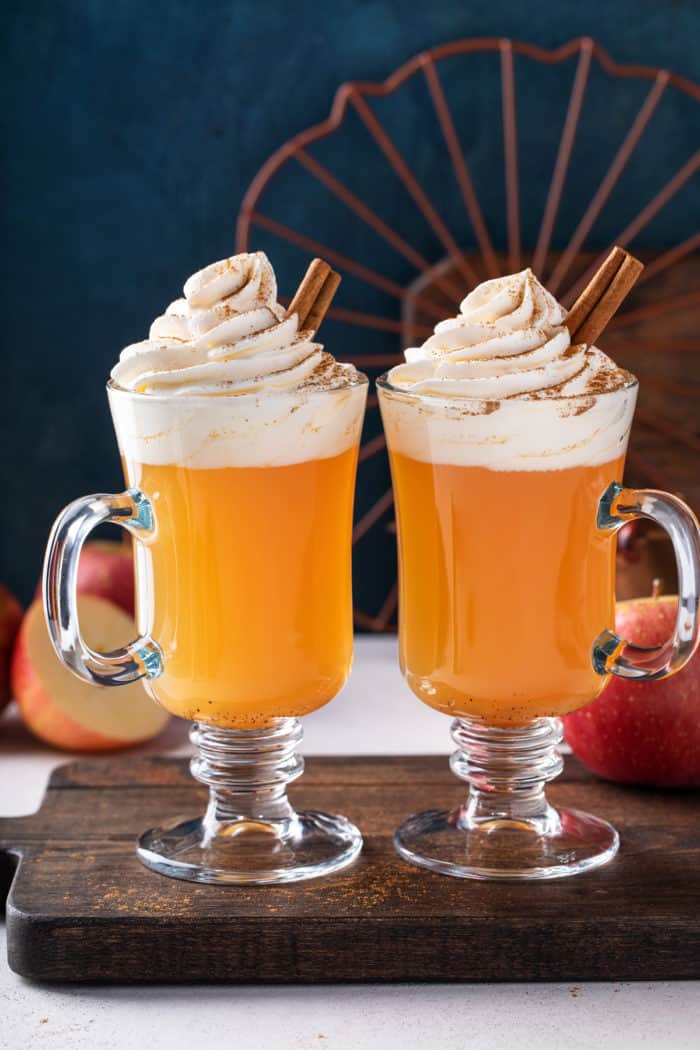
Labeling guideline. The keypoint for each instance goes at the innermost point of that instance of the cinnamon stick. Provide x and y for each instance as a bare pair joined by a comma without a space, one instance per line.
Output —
314,294
594,289
602,296
306,293
610,302
323,301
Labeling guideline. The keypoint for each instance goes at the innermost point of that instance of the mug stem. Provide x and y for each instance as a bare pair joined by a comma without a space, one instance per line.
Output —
507,770
247,772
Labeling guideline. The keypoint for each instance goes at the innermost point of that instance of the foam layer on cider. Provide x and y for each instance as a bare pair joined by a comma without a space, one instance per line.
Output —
514,434
244,430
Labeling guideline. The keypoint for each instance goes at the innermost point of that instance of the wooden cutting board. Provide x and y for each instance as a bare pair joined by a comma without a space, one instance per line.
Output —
82,908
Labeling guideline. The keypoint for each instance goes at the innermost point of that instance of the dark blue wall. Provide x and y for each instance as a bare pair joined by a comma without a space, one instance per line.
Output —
133,128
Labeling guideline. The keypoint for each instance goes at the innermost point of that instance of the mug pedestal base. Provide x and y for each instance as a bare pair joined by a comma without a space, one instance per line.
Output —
505,849
506,829
250,832
244,851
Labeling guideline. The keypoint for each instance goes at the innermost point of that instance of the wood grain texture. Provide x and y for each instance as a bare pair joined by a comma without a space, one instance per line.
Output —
82,908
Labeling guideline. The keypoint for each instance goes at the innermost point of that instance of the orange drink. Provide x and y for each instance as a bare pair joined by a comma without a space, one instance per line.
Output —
248,576
238,435
504,586
507,432
244,580
503,437
505,580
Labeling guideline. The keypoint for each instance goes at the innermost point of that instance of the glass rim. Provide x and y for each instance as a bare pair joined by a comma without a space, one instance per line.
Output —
384,383
359,380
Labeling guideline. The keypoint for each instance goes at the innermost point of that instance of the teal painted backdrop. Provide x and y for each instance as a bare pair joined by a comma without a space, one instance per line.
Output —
131,131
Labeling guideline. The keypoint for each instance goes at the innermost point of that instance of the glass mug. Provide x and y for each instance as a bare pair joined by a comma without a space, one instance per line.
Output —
506,520
242,509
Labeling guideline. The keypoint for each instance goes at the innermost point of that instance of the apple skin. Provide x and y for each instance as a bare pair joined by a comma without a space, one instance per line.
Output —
43,718
10,620
643,732
73,715
106,569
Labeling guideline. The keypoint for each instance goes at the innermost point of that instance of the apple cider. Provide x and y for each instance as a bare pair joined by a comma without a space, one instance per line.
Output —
238,435
503,437
505,583
507,431
241,434
247,582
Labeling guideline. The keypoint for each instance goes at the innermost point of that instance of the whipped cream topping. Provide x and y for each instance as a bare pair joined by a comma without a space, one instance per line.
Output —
508,340
227,335
288,400
502,387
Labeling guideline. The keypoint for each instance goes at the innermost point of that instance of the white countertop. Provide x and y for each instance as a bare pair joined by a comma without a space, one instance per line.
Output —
659,1015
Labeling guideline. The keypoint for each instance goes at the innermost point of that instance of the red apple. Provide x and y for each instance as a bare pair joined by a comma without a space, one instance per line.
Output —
643,732
106,569
71,714
644,554
10,619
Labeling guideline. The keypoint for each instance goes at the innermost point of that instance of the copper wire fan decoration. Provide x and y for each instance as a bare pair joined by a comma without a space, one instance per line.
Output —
652,335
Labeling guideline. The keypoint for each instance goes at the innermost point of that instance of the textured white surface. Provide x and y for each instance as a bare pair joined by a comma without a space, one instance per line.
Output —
376,714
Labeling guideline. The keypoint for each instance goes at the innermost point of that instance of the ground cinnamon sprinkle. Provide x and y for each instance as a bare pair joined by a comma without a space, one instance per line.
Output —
603,381
328,374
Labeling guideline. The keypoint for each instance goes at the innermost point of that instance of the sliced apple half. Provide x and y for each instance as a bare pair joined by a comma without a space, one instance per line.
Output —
71,714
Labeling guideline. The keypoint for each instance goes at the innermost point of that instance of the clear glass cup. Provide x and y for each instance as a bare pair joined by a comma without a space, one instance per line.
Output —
241,506
506,516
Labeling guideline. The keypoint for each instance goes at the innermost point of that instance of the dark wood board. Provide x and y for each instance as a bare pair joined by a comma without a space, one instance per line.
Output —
82,908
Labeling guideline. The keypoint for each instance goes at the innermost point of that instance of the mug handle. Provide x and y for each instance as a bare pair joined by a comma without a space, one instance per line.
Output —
614,655
142,658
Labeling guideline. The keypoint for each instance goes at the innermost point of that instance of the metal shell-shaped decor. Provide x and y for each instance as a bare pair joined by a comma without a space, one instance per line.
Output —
477,158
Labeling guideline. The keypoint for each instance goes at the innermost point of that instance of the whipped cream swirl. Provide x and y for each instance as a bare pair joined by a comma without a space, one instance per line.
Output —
508,340
227,335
